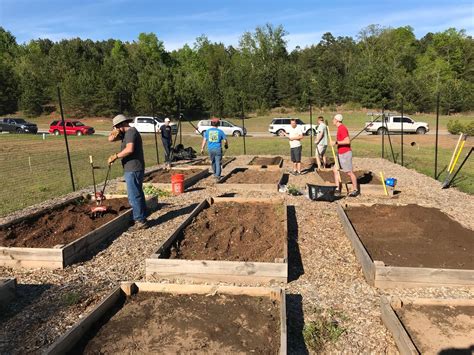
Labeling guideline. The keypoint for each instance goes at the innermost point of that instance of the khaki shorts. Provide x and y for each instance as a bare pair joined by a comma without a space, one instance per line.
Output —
345,161
321,149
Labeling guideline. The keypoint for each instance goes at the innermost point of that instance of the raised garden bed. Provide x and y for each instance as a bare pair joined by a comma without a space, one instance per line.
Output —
206,162
169,318
245,179
409,245
60,235
7,291
268,163
430,326
224,239
161,178
369,183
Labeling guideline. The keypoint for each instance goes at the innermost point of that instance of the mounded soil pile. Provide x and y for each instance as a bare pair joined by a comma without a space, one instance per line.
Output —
234,232
413,236
249,176
207,161
437,328
266,161
170,324
363,177
164,176
60,226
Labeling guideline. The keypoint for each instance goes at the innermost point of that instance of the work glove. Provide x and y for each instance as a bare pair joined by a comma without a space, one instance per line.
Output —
112,158
115,134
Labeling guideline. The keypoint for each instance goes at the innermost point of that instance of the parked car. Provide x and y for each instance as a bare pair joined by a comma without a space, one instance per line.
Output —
145,124
279,126
73,127
228,127
393,124
17,125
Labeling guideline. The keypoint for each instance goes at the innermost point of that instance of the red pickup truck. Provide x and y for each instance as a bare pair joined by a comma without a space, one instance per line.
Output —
73,127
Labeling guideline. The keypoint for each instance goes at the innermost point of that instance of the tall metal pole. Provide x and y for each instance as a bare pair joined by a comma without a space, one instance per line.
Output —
154,130
65,140
311,128
402,134
383,131
436,144
179,120
242,116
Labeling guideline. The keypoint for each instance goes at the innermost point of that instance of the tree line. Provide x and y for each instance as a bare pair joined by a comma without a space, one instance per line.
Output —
378,68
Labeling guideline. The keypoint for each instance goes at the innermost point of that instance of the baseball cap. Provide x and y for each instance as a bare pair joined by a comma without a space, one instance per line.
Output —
215,119
338,117
167,119
119,119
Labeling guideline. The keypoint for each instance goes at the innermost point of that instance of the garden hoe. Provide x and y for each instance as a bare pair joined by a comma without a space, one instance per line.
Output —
99,196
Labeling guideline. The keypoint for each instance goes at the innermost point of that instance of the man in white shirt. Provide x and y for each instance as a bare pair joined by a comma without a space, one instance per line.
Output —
295,135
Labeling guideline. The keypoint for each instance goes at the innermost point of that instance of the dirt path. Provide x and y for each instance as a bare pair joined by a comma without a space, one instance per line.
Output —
324,272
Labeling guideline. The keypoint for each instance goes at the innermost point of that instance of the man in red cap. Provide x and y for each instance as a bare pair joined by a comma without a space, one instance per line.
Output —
214,138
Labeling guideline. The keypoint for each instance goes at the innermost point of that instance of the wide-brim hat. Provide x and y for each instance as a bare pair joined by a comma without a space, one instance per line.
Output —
119,119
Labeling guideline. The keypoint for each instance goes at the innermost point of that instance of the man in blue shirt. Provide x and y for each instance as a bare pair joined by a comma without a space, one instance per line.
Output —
214,138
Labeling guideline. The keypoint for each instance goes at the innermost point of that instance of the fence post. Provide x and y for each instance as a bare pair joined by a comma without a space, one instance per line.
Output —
402,133
383,131
311,128
154,131
65,140
436,144
242,115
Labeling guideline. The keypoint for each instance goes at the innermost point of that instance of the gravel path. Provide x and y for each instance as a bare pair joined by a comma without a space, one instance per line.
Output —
324,272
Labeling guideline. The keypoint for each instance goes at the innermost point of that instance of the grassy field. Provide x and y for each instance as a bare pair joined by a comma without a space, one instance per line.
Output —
34,169
354,120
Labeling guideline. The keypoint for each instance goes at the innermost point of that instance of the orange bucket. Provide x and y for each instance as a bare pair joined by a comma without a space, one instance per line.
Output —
177,184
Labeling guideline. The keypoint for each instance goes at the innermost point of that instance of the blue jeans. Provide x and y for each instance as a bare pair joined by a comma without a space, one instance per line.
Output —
216,156
136,197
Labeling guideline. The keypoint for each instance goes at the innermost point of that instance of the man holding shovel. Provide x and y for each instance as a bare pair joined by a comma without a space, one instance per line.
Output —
133,162
344,154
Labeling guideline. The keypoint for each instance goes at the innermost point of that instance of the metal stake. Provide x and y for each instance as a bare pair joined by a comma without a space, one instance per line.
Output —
436,144
65,140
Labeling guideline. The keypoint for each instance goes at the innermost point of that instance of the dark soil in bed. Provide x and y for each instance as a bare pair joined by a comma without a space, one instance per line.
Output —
265,161
434,328
60,226
363,177
164,176
234,232
249,176
157,323
413,236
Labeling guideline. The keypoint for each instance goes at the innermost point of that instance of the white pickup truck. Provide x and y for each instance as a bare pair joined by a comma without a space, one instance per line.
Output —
393,124
145,124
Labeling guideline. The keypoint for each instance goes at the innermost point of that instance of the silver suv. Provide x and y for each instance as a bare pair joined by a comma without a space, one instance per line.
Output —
279,126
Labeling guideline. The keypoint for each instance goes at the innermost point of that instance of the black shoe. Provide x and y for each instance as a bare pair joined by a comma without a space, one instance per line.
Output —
354,193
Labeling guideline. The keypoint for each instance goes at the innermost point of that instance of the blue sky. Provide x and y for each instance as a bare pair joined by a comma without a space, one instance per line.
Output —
181,21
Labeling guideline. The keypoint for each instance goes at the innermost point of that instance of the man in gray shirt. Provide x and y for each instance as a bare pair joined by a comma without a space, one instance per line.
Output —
133,164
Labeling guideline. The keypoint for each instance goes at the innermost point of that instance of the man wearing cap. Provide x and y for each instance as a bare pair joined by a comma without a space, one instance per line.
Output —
166,139
133,162
214,138
344,153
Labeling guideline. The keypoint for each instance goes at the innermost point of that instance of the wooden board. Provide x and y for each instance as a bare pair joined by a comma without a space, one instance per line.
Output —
188,182
67,342
272,167
389,306
222,186
160,266
379,275
63,255
7,291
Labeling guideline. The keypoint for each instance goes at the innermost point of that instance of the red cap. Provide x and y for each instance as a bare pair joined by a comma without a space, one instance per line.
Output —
215,119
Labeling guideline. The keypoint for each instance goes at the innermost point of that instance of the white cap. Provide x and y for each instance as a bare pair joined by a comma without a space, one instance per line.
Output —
167,119
338,117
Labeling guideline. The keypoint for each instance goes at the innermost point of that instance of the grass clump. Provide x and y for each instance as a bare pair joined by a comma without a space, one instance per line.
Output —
324,330
154,191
